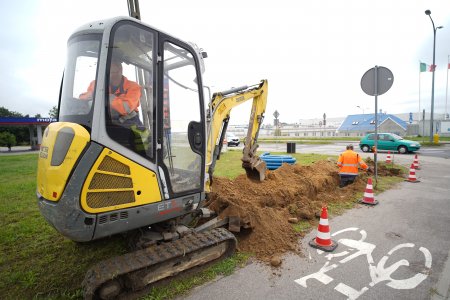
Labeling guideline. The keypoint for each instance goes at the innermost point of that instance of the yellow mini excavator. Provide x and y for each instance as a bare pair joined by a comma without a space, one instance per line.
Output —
113,163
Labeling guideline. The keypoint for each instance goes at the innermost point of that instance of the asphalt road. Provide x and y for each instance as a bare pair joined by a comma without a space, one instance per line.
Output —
336,148
398,249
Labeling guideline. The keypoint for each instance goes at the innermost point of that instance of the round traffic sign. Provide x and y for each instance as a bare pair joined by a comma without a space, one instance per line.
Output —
377,81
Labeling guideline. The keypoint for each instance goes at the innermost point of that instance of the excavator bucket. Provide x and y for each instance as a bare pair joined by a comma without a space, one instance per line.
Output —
255,169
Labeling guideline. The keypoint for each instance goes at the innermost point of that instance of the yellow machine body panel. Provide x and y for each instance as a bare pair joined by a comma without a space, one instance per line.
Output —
62,145
115,182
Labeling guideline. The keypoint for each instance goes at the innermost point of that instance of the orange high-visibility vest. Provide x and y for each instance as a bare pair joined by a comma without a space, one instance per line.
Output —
349,161
127,96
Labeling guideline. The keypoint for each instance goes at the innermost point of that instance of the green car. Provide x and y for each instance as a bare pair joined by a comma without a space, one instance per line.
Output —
388,141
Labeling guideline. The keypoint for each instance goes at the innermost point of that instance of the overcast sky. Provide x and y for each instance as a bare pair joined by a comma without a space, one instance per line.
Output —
313,53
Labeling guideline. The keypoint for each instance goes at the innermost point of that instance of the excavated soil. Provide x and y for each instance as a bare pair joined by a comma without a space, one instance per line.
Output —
291,191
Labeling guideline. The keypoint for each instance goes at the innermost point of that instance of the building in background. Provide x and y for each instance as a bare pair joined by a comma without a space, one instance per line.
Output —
35,127
406,124
360,125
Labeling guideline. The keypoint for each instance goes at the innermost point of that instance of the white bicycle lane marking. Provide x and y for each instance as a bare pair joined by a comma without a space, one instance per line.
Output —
378,273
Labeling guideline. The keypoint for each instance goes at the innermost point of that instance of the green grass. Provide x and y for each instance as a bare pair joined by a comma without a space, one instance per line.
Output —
425,140
302,226
36,262
311,138
382,184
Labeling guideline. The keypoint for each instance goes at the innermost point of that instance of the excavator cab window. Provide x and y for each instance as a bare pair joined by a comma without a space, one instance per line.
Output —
79,75
183,132
129,85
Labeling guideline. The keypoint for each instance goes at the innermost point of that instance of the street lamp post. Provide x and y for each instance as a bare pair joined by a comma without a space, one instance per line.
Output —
428,13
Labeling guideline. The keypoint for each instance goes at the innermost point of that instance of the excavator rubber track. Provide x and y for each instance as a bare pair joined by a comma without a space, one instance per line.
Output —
115,277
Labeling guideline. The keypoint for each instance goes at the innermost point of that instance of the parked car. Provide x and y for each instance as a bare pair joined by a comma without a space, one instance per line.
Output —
232,140
388,141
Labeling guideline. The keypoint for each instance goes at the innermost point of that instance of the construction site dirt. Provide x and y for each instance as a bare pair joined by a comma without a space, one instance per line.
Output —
292,192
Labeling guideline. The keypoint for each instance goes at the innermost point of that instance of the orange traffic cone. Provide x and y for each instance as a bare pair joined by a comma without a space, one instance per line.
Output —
368,194
412,174
416,163
323,240
388,158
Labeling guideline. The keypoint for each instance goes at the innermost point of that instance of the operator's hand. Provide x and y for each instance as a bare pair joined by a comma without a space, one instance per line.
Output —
370,169
86,96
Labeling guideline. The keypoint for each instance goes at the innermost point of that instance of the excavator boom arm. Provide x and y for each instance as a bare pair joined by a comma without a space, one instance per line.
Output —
220,108
252,164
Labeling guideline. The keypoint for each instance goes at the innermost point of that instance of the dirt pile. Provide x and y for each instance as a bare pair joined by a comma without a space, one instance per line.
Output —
292,191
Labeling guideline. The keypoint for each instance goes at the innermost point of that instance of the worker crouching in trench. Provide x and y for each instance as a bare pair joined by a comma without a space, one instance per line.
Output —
348,164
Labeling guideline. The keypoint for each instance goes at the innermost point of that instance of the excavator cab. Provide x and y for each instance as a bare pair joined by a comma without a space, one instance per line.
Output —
165,69
131,150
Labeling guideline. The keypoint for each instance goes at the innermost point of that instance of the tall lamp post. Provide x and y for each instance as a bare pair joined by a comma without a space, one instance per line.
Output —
428,13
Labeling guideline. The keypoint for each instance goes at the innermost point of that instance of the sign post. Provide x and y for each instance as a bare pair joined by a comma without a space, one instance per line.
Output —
374,82
276,114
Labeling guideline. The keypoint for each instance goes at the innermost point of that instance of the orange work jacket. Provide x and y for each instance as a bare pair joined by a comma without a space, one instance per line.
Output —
348,163
127,96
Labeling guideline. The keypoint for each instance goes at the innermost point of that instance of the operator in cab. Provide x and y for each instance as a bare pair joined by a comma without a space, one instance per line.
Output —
348,164
124,96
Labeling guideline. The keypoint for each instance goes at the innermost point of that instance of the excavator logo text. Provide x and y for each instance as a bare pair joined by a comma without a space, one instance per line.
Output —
168,207
43,153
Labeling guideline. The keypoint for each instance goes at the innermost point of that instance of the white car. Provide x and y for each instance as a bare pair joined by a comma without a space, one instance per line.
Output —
232,140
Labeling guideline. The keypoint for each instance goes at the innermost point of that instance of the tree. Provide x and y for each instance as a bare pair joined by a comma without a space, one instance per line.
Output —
4,112
20,133
53,113
7,139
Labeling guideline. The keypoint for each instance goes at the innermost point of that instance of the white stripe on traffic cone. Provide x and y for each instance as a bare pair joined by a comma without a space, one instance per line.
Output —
368,194
323,240
412,175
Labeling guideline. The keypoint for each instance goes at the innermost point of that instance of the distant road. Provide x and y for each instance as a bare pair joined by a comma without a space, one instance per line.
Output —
17,150
338,147
331,149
